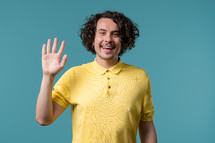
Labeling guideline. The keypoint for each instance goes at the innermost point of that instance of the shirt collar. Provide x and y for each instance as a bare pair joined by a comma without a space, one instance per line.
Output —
115,69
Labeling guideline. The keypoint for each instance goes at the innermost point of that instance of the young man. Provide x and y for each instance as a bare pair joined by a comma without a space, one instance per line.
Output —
109,99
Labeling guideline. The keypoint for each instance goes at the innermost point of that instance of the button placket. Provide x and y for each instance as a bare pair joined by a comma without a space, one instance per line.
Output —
108,86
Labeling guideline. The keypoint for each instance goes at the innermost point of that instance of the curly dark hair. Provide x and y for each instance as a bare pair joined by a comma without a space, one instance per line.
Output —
128,30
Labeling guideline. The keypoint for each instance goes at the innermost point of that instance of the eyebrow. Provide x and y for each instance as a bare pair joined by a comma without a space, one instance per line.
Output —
106,30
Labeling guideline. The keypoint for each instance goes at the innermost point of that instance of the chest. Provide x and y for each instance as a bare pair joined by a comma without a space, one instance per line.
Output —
108,92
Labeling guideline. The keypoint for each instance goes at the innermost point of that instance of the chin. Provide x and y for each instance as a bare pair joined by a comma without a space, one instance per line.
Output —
108,58
111,57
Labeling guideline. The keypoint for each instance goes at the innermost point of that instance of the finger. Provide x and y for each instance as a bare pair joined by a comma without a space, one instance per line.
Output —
44,49
54,47
61,48
48,46
63,62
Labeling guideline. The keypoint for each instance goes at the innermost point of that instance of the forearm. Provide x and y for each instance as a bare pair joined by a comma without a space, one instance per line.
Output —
44,108
147,132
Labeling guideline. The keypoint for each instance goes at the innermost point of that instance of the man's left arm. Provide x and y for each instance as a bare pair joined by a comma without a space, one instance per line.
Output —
147,132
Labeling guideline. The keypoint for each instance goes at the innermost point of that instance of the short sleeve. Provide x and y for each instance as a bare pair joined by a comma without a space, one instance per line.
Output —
61,92
147,105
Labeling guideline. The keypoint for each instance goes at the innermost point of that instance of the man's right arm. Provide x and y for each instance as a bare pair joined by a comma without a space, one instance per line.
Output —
47,111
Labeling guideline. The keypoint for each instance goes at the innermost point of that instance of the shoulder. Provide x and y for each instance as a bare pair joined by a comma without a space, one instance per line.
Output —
80,69
75,71
134,70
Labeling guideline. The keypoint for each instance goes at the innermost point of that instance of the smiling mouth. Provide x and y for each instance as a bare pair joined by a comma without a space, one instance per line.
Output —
108,47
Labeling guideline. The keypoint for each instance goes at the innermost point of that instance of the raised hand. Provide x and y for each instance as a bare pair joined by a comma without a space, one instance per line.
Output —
51,63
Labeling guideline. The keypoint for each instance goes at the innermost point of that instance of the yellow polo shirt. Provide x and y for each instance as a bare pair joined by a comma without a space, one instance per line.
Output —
106,105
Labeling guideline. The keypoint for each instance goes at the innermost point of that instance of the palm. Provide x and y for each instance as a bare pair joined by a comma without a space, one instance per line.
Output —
51,63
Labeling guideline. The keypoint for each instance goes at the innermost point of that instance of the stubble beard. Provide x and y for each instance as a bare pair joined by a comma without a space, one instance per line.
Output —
105,58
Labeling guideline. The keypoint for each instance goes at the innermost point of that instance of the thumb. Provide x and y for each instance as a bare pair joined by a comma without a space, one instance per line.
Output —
63,62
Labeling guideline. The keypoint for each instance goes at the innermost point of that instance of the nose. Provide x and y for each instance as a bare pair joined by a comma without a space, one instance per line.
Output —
108,38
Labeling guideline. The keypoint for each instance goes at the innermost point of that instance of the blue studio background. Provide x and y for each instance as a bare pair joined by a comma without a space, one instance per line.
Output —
176,47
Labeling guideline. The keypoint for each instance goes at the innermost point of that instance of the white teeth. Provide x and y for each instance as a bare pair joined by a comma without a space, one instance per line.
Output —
108,47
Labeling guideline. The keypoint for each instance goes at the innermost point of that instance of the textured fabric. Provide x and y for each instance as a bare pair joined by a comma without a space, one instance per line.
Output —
106,105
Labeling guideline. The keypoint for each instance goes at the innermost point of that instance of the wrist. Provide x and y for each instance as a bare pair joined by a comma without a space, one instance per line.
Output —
48,77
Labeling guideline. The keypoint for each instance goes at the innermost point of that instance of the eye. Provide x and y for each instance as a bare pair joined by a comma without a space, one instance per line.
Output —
116,34
102,33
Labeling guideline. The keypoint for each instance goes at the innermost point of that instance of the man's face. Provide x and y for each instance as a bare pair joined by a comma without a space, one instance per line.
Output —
107,42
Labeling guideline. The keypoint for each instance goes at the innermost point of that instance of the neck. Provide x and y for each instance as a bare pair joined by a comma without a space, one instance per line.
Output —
107,63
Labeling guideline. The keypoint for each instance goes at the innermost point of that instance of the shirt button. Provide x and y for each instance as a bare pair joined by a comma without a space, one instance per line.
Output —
108,86
108,78
106,70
